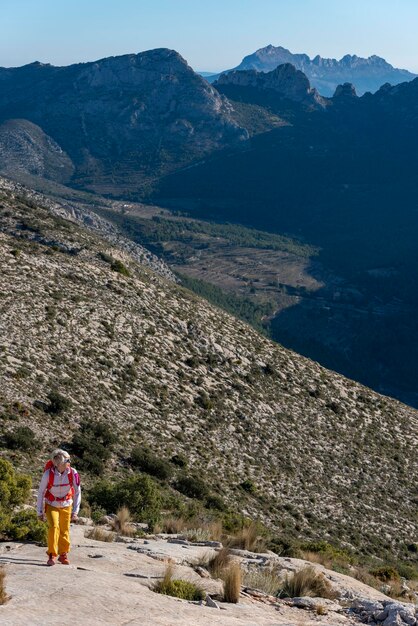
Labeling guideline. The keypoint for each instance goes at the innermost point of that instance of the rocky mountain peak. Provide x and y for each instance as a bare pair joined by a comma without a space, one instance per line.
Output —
285,79
347,90
122,118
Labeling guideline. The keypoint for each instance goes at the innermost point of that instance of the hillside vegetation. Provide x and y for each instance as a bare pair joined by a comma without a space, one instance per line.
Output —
89,336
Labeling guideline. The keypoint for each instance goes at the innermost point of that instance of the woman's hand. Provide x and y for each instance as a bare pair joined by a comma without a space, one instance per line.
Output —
74,517
41,517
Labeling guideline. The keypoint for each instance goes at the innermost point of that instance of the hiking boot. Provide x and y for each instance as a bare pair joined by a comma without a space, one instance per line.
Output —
63,559
51,560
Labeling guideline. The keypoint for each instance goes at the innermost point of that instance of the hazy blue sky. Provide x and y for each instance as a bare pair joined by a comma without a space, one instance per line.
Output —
211,35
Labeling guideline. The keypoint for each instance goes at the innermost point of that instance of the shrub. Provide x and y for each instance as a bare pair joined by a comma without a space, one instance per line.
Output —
385,573
58,403
21,438
14,490
119,267
25,525
3,595
192,486
248,486
179,460
232,577
93,443
146,461
307,582
97,513
140,493
215,502
204,400
178,588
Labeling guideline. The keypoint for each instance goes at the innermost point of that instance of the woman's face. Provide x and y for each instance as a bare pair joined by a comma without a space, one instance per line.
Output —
61,466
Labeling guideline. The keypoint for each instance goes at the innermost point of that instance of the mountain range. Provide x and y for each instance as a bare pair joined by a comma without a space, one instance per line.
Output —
334,176
367,74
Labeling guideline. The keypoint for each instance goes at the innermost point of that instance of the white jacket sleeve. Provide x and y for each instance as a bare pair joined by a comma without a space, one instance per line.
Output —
41,493
77,493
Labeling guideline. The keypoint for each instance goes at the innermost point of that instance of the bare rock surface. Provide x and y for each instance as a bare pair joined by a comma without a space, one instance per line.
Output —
108,584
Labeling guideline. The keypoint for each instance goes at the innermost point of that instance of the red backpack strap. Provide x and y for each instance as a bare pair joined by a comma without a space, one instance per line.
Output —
48,494
71,480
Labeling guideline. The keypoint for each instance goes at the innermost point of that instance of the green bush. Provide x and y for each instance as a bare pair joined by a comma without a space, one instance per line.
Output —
214,501
58,403
178,588
21,438
118,266
385,573
25,525
248,486
192,486
325,548
181,589
93,444
179,460
144,460
14,491
139,493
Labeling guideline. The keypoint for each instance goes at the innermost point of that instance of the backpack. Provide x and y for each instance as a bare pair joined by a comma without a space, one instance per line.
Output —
48,495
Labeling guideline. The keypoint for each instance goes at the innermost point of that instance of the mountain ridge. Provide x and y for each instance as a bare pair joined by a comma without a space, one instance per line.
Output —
127,118
367,74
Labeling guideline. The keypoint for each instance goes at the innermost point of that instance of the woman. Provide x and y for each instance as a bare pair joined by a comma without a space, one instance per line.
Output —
60,493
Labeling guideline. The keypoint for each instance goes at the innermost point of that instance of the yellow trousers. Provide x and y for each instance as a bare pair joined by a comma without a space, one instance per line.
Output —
58,529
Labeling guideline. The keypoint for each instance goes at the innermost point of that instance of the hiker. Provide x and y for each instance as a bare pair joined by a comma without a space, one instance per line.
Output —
60,492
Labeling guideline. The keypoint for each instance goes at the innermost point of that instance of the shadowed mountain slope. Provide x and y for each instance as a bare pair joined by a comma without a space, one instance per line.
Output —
343,179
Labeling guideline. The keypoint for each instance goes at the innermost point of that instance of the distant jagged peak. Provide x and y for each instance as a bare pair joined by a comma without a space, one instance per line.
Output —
348,60
367,74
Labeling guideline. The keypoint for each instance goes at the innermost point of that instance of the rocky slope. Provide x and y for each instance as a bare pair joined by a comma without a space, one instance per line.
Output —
26,150
326,456
122,119
326,74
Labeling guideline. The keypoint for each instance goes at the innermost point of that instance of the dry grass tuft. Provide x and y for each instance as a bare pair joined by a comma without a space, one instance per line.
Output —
232,577
171,525
317,557
218,563
267,580
122,523
321,609
3,595
99,534
247,538
307,582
